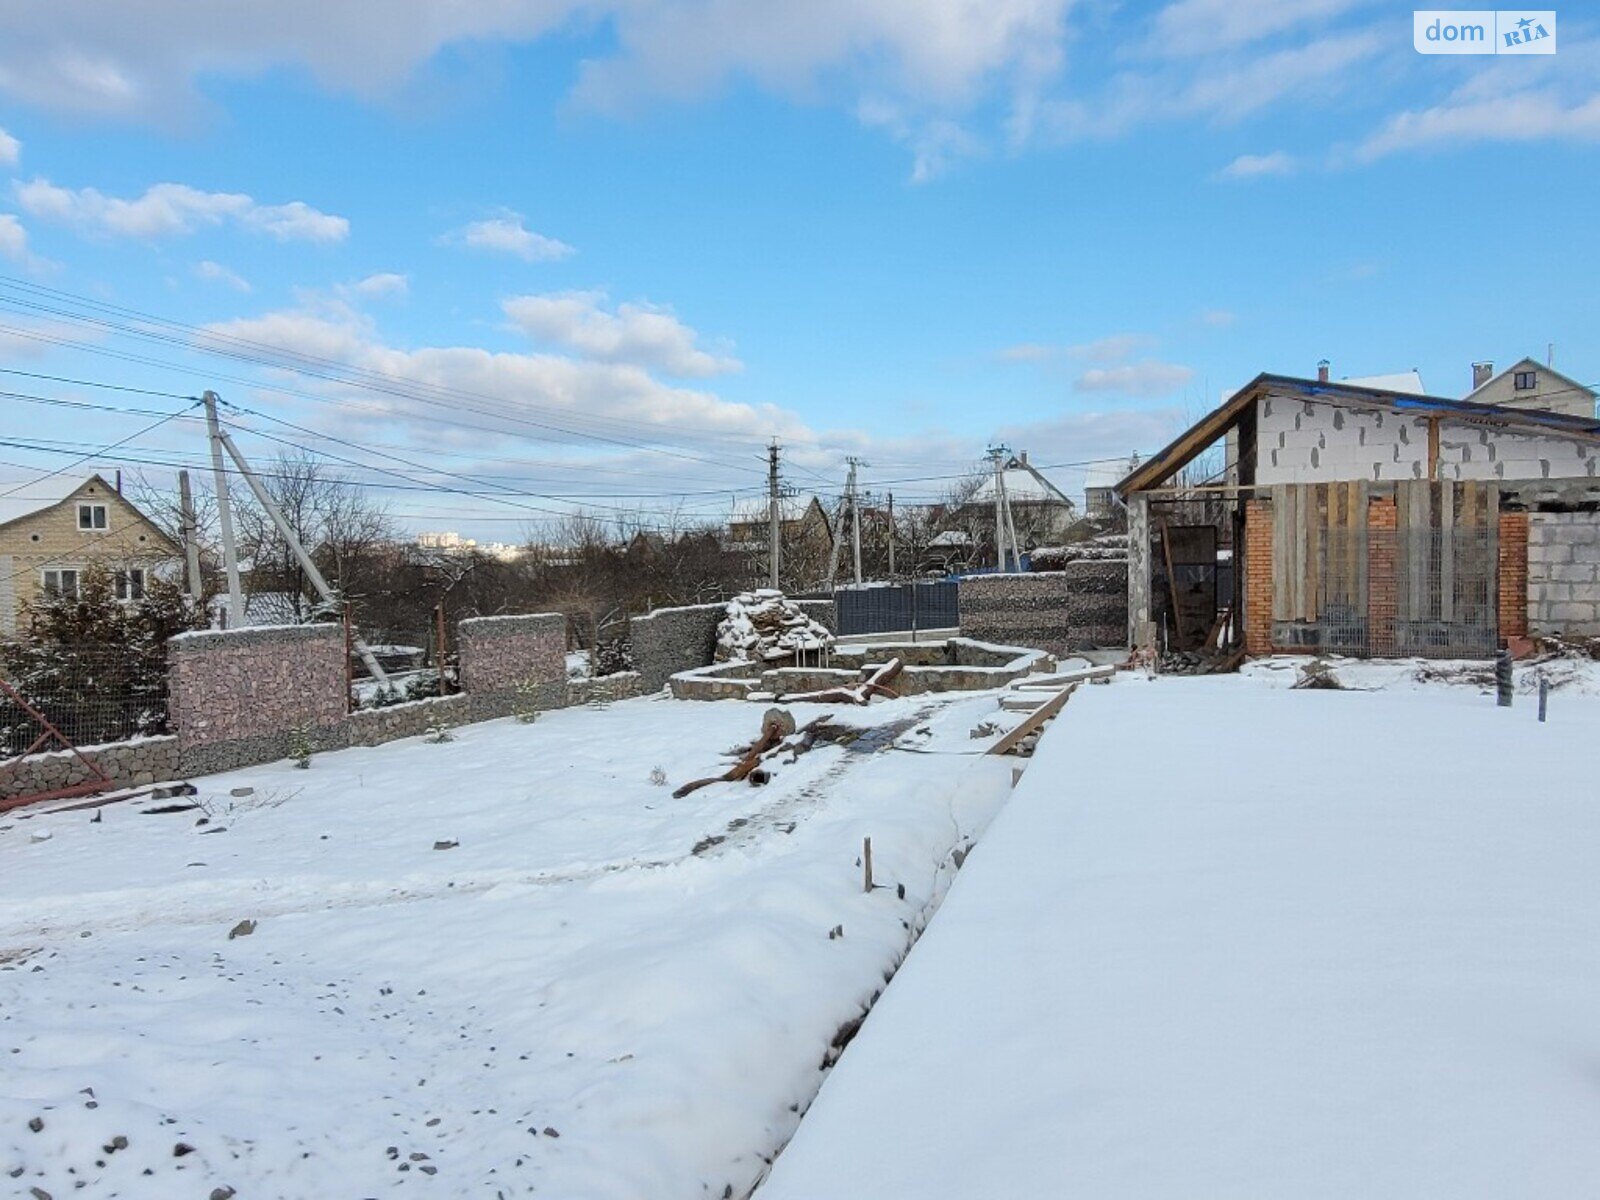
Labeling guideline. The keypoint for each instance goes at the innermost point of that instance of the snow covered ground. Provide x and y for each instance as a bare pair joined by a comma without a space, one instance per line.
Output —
507,965
1227,940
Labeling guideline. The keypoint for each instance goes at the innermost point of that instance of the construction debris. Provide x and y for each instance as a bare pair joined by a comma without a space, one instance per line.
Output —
861,693
765,626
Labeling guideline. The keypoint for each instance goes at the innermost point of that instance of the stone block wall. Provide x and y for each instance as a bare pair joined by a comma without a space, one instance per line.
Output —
1083,605
237,694
129,764
670,640
1564,574
501,654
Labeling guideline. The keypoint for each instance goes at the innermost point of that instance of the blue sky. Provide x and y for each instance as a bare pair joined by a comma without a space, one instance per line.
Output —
636,239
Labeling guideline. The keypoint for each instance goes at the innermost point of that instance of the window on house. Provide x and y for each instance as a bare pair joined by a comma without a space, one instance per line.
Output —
1527,381
61,581
129,584
91,516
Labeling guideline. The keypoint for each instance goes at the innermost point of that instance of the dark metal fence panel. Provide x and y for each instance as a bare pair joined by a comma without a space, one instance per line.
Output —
897,607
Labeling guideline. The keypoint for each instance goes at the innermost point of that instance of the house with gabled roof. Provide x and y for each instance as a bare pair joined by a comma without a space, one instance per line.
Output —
53,530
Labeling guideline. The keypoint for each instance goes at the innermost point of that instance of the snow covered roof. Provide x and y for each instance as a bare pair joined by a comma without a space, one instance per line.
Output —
790,508
1023,484
37,495
950,537
265,609
1107,474
1406,382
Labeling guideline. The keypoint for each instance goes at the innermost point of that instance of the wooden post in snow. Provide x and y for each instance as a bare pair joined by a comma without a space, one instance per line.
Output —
866,864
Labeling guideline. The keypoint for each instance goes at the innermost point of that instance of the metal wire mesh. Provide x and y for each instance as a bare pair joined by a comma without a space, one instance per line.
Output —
92,693
1398,593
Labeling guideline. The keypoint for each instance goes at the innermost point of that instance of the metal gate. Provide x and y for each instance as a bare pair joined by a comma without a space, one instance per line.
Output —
898,607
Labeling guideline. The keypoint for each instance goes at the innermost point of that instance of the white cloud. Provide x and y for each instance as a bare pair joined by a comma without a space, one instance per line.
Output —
643,334
1112,349
14,245
1254,166
13,238
1197,27
507,234
1217,318
385,283
1464,120
175,209
936,143
10,150
1221,89
296,221
549,387
215,272
1146,380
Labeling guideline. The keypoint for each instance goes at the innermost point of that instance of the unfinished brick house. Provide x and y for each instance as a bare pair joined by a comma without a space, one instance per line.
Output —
1368,521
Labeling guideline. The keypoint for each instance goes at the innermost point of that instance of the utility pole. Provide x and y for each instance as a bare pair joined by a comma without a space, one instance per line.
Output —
891,535
329,598
855,517
230,549
848,500
774,518
190,535
997,457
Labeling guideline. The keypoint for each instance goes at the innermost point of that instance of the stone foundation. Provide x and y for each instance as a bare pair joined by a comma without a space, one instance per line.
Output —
129,764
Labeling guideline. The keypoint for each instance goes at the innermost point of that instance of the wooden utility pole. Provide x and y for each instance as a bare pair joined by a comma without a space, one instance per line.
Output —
190,535
774,516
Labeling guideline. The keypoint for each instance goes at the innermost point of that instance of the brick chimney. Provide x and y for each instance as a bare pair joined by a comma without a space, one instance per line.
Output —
1022,457
1322,371
1482,372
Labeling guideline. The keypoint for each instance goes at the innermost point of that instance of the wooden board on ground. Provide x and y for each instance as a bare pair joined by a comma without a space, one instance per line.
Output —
1029,724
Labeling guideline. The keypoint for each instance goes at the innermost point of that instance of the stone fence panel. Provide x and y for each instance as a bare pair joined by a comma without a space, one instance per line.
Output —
1082,606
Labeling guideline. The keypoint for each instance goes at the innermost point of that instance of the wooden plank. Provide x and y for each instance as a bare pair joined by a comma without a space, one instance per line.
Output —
1281,502
1172,583
1447,551
1492,554
1298,578
1362,546
1316,520
1034,720
1433,448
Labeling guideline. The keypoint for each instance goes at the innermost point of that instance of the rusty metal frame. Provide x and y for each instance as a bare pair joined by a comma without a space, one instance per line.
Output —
99,783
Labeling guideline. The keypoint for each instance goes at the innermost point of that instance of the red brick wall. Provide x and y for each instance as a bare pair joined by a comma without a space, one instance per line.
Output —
1513,582
1382,521
1258,577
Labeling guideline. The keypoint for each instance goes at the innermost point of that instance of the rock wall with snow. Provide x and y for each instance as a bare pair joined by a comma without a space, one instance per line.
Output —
1085,604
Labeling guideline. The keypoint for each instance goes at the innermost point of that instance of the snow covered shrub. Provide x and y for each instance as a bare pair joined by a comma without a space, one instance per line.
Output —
96,664
300,747
525,706
614,657
439,731
658,777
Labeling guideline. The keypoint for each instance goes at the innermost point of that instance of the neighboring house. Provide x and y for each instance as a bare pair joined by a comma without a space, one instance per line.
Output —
54,530
1529,384
1099,487
802,520
1372,521
1040,510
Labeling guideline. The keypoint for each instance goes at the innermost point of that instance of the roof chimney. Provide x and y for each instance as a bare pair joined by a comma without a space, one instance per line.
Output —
1482,372
1022,457
1322,370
